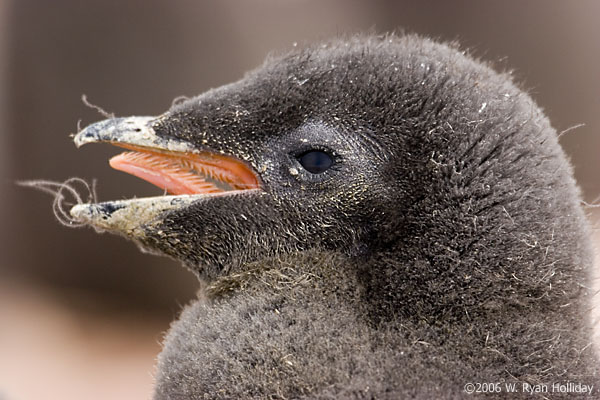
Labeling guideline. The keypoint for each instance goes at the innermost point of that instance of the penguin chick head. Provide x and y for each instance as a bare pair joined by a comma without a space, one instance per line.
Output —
333,146
274,163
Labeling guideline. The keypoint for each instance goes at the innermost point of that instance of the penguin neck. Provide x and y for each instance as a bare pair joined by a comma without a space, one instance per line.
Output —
286,273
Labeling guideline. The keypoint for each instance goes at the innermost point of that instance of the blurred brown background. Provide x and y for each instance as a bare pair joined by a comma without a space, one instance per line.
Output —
81,314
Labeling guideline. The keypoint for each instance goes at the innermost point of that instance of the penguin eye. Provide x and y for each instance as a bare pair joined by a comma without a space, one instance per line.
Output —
315,161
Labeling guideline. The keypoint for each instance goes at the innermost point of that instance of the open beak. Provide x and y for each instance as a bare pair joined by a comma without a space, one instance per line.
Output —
187,173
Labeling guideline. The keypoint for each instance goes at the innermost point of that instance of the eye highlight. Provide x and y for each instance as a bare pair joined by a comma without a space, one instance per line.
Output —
315,161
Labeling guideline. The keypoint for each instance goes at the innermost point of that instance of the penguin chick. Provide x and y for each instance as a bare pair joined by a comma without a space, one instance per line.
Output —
375,217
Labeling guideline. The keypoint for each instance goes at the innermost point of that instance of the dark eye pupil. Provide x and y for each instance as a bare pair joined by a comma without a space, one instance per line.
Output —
316,161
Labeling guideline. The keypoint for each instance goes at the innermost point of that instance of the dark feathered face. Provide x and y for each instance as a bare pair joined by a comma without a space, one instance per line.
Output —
347,147
275,163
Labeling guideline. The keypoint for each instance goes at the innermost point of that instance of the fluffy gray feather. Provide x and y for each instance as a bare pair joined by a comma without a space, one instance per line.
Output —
441,243
452,249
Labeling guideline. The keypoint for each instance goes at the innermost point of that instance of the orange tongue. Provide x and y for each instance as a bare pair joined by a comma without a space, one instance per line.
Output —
186,173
